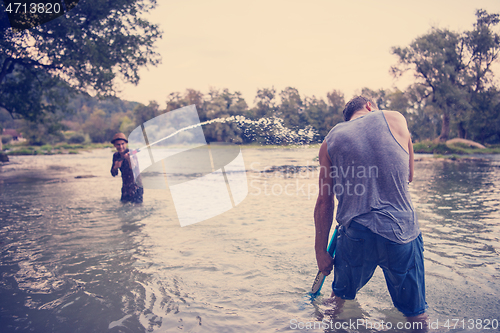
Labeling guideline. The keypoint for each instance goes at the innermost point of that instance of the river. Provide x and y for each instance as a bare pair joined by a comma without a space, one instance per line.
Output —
75,259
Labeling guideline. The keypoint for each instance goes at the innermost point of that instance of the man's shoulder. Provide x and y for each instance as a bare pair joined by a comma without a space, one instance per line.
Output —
397,124
395,115
395,119
338,126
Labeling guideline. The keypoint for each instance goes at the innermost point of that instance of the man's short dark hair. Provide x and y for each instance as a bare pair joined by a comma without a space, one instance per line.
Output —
356,104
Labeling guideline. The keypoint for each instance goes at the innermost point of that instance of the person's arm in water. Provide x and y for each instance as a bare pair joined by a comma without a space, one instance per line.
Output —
323,212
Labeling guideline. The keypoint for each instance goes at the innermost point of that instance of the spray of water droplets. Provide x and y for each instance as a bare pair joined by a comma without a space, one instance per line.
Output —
271,129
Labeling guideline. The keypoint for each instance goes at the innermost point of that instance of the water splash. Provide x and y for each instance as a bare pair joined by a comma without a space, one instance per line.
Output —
272,129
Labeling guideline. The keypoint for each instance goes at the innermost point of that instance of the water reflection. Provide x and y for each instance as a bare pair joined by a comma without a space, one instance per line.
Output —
459,217
73,258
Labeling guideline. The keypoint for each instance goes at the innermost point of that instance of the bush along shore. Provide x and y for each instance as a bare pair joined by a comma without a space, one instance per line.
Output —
4,157
451,147
451,150
63,148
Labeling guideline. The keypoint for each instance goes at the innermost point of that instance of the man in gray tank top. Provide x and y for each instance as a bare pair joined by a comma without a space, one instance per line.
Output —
367,163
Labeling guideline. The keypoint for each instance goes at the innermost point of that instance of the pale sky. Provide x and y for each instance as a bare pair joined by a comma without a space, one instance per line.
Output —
315,46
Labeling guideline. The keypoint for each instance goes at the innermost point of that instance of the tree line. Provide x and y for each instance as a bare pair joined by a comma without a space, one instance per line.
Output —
454,92
94,120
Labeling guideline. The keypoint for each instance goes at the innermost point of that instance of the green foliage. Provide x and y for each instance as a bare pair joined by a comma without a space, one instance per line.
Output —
62,148
323,116
42,69
99,127
265,104
22,151
216,104
223,104
96,121
177,100
144,113
6,139
83,50
82,106
483,124
291,109
72,146
77,138
453,74
126,125
431,147
47,130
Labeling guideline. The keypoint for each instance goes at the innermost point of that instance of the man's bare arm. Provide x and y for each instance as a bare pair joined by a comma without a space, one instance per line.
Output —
323,212
410,150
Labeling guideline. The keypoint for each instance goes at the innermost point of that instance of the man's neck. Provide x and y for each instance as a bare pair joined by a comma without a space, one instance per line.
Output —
360,113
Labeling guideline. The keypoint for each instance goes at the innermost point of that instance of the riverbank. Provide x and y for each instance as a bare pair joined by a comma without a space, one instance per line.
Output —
454,147
451,150
62,148
448,158
66,148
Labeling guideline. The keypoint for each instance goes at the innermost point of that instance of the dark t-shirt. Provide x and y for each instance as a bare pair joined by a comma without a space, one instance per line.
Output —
131,189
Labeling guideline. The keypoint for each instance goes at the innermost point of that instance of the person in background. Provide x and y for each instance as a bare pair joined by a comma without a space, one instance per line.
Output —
132,190
367,163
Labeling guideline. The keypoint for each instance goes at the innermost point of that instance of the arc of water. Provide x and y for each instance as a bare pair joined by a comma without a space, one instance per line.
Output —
264,122
177,132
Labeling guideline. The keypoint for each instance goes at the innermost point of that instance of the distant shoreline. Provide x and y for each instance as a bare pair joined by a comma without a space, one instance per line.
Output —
454,147
58,149
442,151
449,158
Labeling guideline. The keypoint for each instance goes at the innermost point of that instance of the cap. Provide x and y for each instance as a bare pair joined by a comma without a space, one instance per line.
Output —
119,136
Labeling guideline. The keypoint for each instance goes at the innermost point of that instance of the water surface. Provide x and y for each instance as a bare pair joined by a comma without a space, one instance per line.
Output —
75,259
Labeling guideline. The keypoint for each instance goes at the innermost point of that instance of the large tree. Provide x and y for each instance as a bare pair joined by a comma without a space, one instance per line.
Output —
265,103
452,68
291,109
324,115
83,50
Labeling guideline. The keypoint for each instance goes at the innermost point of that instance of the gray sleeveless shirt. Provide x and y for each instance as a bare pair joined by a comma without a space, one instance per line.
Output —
370,172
